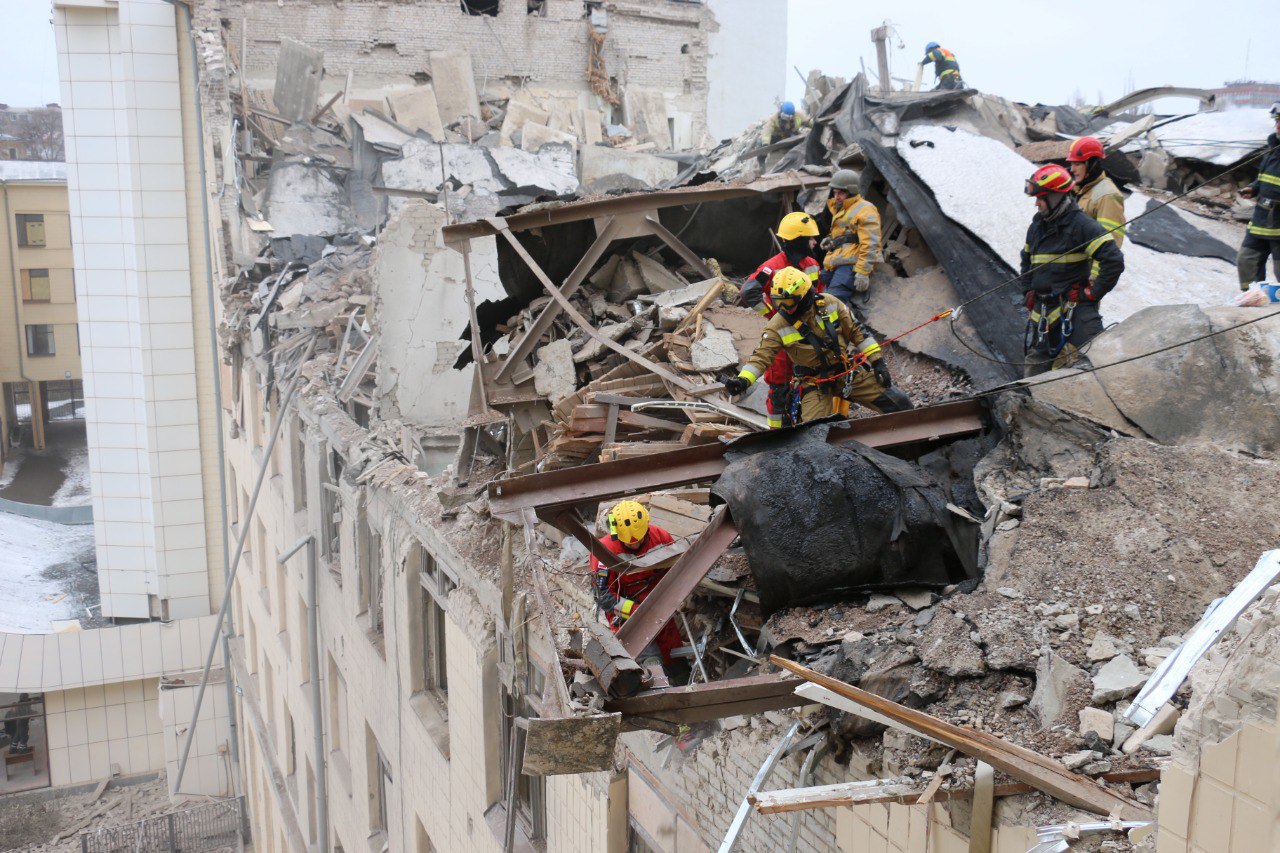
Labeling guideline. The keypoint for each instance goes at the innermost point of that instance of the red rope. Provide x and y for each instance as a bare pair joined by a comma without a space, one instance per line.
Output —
860,359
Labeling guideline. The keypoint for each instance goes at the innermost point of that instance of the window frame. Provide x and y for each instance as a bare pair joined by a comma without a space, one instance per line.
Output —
23,223
50,339
28,286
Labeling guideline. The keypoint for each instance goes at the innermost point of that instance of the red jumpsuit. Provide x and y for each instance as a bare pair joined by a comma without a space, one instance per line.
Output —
619,591
778,376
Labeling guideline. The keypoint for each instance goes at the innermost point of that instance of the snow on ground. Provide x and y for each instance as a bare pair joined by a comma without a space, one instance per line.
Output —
978,183
74,490
34,589
12,463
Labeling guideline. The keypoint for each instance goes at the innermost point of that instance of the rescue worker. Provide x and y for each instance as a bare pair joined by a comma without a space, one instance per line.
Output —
796,235
1263,235
946,70
1095,192
619,591
1058,286
817,332
784,124
852,244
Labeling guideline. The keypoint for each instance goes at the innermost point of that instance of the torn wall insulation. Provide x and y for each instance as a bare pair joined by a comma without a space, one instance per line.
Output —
1164,229
871,521
972,267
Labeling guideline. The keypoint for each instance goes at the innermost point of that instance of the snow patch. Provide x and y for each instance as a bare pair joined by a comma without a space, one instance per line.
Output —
32,595
74,490
978,183
1220,138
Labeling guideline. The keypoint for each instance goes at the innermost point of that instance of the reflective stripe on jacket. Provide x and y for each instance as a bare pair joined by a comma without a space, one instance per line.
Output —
856,218
830,322
944,62
1266,222
1060,252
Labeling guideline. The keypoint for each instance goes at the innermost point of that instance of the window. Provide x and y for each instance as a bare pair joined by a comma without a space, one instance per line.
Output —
480,7
40,340
291,744
35,285
428,655
369,562
299,466
379,775
531,791
31,230
337,708
331,510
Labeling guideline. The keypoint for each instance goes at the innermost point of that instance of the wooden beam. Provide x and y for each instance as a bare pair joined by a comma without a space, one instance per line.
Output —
582,322
1043,773
902,790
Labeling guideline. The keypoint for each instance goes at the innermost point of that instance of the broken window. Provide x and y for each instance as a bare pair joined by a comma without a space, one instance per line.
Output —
40,340
531,791
538,7
369,564
337,708
435,586
480,7
30,230
291,745
299,466
379,776
35,285
331,512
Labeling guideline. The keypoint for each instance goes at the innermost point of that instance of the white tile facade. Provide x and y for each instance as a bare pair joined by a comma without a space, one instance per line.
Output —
123,121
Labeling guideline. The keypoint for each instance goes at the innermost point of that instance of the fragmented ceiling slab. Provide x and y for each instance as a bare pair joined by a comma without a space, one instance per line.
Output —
298,73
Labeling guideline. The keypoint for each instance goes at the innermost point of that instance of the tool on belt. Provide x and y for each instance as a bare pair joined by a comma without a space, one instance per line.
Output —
1049,325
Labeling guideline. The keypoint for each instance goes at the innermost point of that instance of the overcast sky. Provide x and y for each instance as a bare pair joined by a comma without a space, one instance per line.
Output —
1027,50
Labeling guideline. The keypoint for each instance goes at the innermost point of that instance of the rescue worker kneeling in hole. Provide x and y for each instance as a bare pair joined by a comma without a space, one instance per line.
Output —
817,331
796,235
1062,293
852,243
619,590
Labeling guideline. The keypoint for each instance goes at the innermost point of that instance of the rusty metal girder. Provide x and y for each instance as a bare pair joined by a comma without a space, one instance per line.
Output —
510,498
677,584
698,703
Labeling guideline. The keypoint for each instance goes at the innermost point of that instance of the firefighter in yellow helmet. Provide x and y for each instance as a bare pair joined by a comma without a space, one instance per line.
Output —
619,591
834,360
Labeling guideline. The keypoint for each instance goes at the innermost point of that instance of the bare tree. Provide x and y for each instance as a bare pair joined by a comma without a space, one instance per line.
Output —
40,132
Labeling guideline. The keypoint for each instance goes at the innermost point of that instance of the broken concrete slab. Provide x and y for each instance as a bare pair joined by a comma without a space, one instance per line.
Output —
548,171
947,647
379,132
1058,683
1084,395
590,125
519,114
1118,679
679,296
1103,648
601,162
715,350
657,278
626,283
416,108
1098,721
306,200
554,377
647,111
455,84
534,136
299,69
419,167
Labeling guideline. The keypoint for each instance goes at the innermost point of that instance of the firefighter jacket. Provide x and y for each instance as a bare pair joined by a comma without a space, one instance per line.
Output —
618,591
1060,252
817,343
944,62
780,127
1266,192
855,226
1102,200
755,294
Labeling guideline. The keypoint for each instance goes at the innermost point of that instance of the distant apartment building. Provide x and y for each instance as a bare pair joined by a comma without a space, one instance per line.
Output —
1247,93
39,341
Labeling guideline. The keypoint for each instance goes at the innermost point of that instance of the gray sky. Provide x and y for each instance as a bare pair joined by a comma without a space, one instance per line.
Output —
1027,50
1034,51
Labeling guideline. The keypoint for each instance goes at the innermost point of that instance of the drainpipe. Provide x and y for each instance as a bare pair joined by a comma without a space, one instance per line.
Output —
17,313
317,717
228,629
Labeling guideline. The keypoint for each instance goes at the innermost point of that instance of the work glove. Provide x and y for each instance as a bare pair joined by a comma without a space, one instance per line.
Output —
735,385
881,370
1030,299
861,282
1080,293
827,244
1247,192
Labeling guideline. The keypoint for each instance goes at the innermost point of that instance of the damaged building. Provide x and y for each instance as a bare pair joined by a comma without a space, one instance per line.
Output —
465,293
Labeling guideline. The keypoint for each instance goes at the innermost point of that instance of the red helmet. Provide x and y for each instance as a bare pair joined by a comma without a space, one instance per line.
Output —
1083,149
1049,179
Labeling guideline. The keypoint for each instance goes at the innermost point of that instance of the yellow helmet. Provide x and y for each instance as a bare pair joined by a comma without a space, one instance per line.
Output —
629,522
798,224
789,287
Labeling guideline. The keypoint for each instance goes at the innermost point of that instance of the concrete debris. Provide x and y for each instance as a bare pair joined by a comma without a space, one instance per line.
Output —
299,70
455,85
715,350
640,171
1059,686
1100,722
554,377
550,171
305,200
1117,679
1103,648
946,647
416,108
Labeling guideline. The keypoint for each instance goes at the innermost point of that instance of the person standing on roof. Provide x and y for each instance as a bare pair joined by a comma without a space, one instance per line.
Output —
1095,192
817,331
946,70
1061,291
619,590
796,235
1263,235
852,243
784,124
